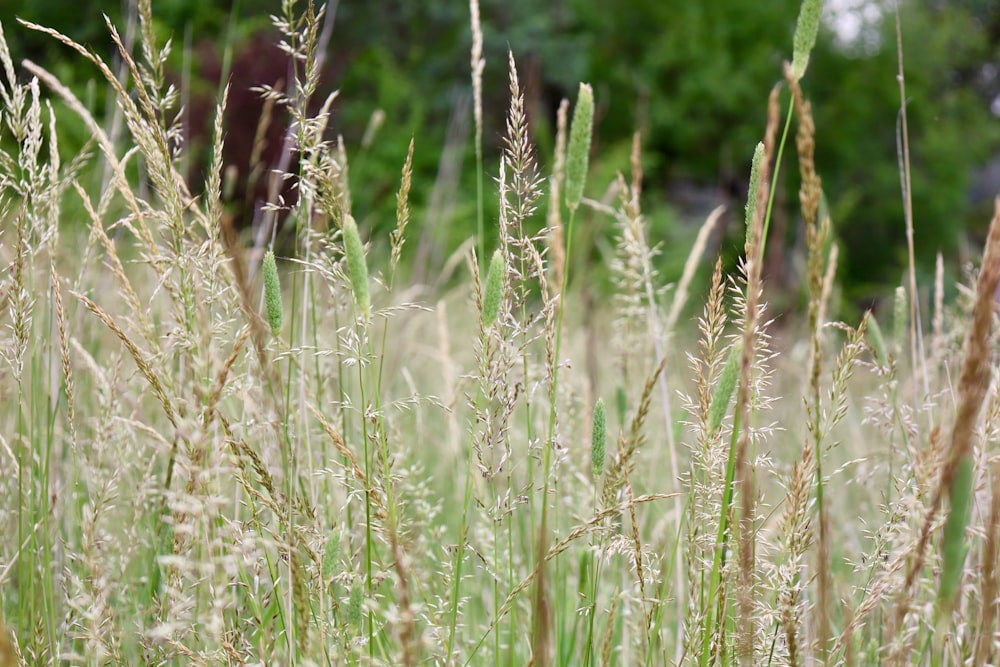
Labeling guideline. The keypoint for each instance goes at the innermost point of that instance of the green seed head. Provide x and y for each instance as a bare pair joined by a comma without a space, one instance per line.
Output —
805,35
272,292
758,159
724,389
578,153
494,289
331,554
354,605
597,439
357,268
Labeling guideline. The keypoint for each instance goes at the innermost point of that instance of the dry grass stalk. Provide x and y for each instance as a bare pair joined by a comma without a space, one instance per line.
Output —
115,265
402,207
624,462
746,626
903,150
829,278
796,525
555,238
9,655
637,557
597,523
609,633
811,189
810,193
958,476
64,356
541,604
937,326
223,375
476,65
990,588
691,266
159,390
773,119
519,158
406,626
240,277
356,471
973,384
136,222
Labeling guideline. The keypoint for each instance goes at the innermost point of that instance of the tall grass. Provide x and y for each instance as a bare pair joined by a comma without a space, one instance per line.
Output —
320,463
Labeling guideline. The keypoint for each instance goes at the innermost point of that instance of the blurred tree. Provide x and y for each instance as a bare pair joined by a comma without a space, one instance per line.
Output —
946,48
693,76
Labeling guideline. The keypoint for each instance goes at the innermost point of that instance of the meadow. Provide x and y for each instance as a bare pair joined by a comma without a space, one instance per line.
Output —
222,449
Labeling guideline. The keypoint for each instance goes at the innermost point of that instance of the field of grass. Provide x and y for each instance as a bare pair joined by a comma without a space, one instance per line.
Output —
211,455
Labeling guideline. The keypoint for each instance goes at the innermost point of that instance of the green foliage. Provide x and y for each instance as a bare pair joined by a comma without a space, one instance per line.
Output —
954,548
689,75
855,98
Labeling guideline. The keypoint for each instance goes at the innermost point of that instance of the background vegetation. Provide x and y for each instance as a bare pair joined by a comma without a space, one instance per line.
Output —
688,75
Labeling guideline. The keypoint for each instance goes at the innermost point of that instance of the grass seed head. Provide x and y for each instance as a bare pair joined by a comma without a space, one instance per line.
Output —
354,605
272,292
357,268
755,167
331,555
805,35
598,438
724,389
578,154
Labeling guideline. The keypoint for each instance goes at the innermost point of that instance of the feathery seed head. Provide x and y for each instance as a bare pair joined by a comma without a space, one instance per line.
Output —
578,153
272,292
